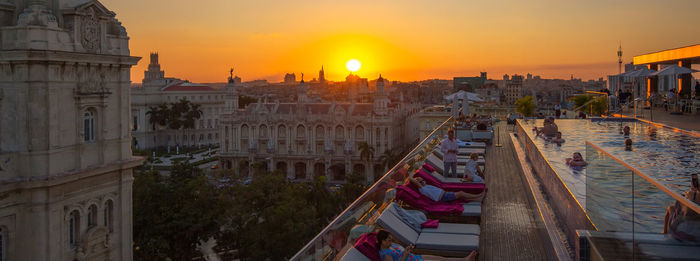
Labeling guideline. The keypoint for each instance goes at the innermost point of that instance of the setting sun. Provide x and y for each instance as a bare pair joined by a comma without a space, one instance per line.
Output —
353,65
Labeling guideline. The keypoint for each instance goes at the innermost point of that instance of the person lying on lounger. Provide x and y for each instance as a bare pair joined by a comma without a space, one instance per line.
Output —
472,172
438,194
390,251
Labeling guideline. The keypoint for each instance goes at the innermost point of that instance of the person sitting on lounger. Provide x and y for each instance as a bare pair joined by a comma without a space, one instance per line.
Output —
682,222
576,160
390,251
438,194
472,172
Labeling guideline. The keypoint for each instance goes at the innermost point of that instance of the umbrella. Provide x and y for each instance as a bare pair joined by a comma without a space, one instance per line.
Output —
461,94
674,70
644,72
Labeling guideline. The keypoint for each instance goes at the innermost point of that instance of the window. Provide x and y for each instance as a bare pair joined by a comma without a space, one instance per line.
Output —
209,123
109,216
209,136
216,135
201,124
201,137
92,216
216,123
184,138
89,125
74,228
136,123
201,98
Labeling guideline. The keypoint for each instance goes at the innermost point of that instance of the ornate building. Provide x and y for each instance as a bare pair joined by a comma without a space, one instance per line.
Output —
65,156
156,89
304,139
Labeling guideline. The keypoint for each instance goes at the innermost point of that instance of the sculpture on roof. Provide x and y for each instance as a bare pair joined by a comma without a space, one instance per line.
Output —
230,77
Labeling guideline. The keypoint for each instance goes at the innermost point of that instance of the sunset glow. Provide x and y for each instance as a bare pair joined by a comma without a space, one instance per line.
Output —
353,65
404,40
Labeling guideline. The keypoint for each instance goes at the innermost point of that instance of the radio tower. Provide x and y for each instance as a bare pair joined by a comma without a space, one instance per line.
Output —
619,59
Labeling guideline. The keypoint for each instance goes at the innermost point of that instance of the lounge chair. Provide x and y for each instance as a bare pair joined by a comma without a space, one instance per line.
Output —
354,255
435,179
461,159
411,197
443,227
471,144
442,243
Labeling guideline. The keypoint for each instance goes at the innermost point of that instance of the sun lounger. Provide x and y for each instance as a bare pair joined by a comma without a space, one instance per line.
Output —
415,199
443,227
461,160
469,151
483,135
454,243
354,255
432,178
471,144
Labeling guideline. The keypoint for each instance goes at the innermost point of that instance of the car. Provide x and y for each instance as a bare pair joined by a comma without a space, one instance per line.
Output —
216,166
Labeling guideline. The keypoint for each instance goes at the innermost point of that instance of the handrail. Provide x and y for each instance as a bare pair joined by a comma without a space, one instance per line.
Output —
370,189
589,102
651,180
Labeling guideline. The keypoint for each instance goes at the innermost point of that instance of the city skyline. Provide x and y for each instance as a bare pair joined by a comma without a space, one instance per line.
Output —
406,41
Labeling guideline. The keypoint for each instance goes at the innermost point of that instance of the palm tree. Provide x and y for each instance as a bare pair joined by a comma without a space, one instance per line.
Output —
192,115
158,116
387,159
366,151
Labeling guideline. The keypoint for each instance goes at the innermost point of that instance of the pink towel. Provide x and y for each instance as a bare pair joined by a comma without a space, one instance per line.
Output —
419,201
473,188
367,245
431,223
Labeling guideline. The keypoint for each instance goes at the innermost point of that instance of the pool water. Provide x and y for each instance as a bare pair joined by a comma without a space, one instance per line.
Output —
666,155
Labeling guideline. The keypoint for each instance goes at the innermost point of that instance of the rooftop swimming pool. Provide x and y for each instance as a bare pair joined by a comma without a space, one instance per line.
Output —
663,154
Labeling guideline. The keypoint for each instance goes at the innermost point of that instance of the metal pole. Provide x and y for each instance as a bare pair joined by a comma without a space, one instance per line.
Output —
498,137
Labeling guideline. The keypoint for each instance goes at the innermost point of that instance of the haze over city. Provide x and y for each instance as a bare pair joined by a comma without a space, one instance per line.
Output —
402,40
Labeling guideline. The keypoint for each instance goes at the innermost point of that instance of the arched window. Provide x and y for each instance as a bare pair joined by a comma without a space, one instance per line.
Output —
339,132
301,132
263,131
74,228
244,131
281,131
89,125
92,216
359,133
320,132
109,215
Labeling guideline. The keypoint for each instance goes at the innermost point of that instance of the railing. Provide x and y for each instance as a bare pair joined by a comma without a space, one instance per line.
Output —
358,217
635,216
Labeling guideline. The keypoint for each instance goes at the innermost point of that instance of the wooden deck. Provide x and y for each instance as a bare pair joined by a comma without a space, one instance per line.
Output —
508,225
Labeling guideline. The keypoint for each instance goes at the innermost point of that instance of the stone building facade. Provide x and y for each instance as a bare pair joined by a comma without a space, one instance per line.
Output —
65,157
157,89
305,139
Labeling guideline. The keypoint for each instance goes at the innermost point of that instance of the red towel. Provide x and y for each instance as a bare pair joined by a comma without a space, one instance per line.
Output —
431,223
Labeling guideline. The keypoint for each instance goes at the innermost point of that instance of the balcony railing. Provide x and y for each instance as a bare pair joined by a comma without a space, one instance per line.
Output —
629,211
358,217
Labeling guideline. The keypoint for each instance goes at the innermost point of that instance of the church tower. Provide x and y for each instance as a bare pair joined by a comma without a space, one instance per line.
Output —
65,142
381,101
321,76
154,72
231,93
302,95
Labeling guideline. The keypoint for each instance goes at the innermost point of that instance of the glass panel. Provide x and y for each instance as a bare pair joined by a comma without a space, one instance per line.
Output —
359,217
636,217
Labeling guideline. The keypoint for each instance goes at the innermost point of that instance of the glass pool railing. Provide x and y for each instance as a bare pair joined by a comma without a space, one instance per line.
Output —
634,216
360,216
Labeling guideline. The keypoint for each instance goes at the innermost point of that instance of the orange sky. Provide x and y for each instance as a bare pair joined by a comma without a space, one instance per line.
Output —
401,39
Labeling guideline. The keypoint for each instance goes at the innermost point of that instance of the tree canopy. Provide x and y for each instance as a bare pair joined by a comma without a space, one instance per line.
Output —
270,218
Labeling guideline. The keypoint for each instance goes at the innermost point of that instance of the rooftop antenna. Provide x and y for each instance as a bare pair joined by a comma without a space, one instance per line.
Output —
619,59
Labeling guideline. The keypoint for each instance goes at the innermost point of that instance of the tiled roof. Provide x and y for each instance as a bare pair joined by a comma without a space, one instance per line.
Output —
187,87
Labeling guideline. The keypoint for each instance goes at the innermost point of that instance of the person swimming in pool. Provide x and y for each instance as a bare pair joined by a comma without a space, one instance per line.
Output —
557,138
625,131
576,160
628,144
